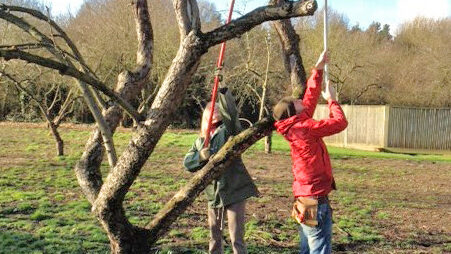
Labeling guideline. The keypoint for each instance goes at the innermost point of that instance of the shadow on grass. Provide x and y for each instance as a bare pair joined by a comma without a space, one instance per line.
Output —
353,246
19,242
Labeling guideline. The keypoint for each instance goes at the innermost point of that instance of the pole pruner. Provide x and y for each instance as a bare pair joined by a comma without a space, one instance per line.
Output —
218,78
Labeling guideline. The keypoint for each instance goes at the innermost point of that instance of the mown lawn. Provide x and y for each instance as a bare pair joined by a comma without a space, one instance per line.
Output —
386,203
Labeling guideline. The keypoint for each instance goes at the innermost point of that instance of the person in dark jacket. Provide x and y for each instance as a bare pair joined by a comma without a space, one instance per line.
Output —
313,179
229,192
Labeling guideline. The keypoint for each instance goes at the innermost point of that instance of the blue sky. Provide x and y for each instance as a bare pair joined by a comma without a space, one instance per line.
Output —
361,12
364,12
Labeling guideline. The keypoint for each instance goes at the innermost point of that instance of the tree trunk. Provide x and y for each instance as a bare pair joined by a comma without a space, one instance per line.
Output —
125,238
3,104
129,85
106,133
119,180
268,143
58,140
292,59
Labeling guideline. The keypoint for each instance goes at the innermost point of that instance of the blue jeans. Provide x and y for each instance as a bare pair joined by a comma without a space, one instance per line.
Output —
318,240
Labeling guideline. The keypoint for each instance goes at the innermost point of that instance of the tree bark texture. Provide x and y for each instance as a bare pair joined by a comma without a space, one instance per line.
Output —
246,22
129,85
292,59
119,180
268,143
58,139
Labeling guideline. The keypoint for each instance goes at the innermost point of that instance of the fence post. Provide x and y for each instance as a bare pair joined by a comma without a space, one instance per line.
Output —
386,125
345,135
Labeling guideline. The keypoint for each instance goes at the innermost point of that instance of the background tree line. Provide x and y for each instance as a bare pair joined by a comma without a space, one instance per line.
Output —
369,66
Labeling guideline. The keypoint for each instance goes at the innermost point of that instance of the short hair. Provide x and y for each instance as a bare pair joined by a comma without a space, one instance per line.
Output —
284,108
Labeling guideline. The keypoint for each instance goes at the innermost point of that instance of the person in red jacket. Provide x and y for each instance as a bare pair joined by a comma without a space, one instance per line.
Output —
313,179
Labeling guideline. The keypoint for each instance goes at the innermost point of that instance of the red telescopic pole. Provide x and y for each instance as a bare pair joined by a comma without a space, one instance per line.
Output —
217,79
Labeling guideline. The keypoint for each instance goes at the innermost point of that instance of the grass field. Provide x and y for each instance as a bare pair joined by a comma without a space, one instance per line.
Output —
385,203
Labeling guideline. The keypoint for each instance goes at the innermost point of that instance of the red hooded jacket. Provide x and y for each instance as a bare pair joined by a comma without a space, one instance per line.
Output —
311,163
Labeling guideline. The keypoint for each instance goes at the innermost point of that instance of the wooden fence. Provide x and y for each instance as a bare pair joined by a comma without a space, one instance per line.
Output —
373,127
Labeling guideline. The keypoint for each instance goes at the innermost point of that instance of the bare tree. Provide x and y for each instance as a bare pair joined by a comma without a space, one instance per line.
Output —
107,197
47,104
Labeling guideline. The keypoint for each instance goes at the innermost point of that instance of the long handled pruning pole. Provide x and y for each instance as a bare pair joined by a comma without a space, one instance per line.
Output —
217,79
326,28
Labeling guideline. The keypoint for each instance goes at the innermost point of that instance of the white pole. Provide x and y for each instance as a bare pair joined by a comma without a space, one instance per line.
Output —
326,69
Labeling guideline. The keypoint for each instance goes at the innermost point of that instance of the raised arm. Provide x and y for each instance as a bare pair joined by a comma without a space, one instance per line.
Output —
337,120
314,85
335,124
229,111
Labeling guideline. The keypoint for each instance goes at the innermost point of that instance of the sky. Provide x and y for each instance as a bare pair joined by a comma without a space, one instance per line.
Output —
361,12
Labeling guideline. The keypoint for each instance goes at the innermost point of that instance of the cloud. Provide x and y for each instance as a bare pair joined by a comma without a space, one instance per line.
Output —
63,6
409,9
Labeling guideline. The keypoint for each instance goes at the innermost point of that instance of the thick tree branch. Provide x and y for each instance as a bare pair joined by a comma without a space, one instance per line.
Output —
292,59
39,15
258,16
187,14
212,170
26,46
128,86
68,71
168,99
291,56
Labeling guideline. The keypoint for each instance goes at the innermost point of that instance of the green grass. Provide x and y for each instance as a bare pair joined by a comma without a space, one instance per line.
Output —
185,139
42,209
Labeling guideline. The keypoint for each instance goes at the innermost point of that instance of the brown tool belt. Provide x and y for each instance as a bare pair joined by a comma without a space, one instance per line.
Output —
305,209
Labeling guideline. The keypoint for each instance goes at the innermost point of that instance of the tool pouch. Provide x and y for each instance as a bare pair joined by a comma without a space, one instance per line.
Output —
305,211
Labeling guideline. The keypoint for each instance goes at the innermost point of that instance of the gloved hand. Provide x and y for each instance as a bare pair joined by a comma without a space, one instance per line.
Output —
204,154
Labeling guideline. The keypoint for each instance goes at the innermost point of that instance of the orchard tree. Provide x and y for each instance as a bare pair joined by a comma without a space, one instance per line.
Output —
55,104
57,51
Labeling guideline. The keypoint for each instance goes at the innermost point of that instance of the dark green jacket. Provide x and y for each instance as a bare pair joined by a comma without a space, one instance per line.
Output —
235,184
